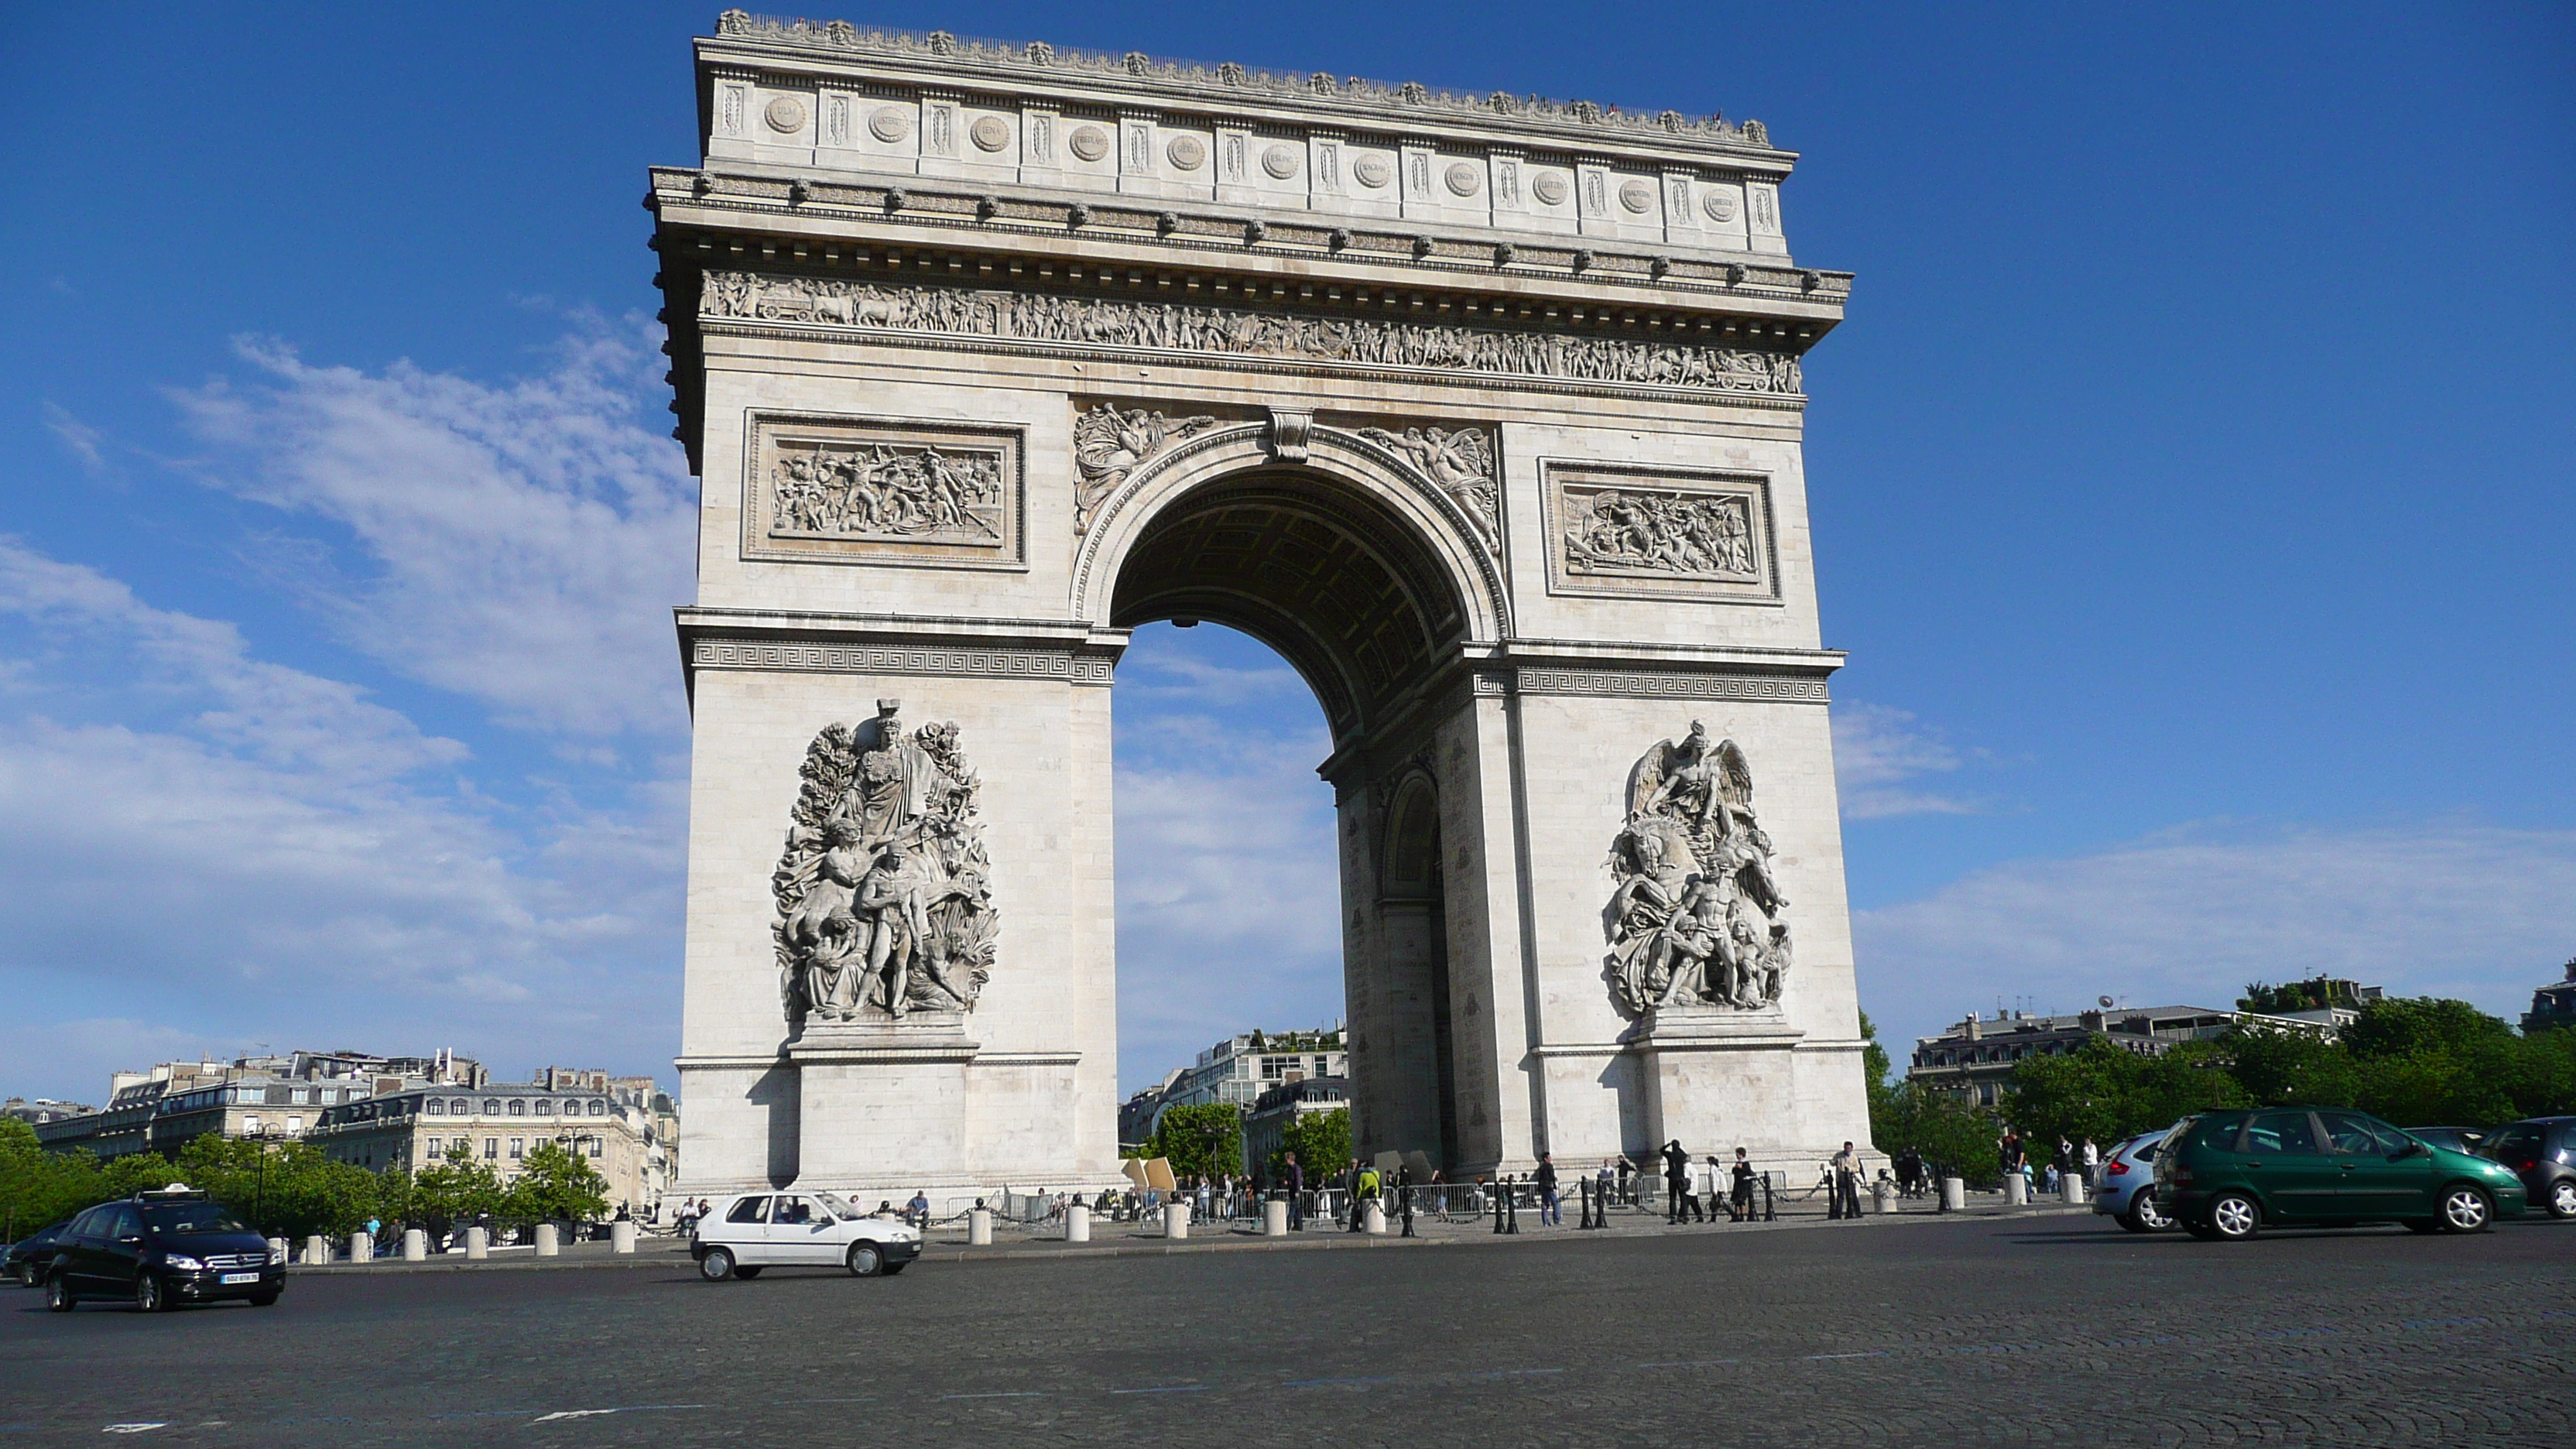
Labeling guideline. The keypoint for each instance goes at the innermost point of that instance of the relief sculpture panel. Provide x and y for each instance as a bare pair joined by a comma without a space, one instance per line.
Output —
1625,532
855,490
1696,919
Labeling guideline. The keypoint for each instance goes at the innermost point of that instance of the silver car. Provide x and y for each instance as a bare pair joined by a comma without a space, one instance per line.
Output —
2124,1186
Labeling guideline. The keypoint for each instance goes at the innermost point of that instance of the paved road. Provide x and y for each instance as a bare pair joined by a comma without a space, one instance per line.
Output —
2028,1331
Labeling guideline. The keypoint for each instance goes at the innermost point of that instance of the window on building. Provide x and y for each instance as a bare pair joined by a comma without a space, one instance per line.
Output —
598,1108
491,1106
597,1143
518,1148
545,1106
294,1125
437,1107
491,1149
459,1146
250,1122
295,1094
518,1108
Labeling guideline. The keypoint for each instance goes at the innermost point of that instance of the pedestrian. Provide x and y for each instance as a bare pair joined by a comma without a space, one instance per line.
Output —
1293,1178
1601,1184
1545,1177
2092,1160
1625,1167
1847,1171
918,1210
1740,1201
1909,1172
1364,1191
1676,1180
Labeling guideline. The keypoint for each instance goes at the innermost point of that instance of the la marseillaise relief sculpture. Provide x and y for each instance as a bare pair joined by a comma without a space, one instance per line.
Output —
1484,410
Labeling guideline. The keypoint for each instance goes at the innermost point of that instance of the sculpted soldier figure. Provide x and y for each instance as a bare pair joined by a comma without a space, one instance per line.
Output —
1713,936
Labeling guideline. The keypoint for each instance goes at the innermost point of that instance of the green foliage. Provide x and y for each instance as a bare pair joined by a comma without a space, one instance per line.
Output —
556,1185
2315,994
1200,1140
1321,1140
284,1189
457,1190
1956,1137
2107,1093
39,1187
2420,1027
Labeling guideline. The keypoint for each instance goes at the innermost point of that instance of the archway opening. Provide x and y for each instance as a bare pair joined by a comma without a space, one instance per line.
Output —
1285,621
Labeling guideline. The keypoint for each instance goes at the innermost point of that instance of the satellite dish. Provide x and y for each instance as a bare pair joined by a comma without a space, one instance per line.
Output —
2106,1001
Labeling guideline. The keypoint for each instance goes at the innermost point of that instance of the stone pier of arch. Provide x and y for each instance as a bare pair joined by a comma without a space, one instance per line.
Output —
1487,419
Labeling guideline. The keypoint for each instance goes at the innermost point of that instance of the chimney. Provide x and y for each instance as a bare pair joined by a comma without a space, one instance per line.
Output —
1969,1028
2089,1020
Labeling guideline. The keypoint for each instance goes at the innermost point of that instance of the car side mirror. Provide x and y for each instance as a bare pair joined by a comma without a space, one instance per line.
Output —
2411,1149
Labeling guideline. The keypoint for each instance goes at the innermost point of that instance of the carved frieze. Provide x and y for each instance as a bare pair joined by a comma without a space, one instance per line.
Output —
1109,443
1098,322
1629,531
1460,462
1696,918
833,489
884,900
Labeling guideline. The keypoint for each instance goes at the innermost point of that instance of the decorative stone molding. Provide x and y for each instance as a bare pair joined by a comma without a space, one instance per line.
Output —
1655,684
1460,463
877,659
1640,531
1695,920
834,489
1202,331
1289,432
1109,443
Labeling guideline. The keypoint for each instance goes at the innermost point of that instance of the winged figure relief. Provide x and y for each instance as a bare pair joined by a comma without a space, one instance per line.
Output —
1696,916
1109,443
1458,461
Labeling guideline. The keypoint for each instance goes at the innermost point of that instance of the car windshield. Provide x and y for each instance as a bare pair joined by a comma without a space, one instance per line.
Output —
840,1209
192,1217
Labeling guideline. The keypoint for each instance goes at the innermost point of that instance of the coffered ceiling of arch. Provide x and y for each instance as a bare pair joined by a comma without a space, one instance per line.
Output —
1324,581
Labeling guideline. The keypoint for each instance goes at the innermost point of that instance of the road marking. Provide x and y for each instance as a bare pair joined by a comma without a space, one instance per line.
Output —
134,1428
1692,1363
1174,1389
1020,1394
1326,1383
569,1414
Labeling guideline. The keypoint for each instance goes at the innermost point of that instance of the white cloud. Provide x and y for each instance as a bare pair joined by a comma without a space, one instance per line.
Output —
1877,750
78,438
1228,884
523,543
2191,915
203,843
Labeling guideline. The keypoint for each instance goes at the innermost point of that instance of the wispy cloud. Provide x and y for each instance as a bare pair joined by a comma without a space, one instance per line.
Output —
2191,915
520,544
1877,751
78,438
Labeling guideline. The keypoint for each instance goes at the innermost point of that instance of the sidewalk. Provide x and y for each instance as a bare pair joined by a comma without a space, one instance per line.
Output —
1015,1242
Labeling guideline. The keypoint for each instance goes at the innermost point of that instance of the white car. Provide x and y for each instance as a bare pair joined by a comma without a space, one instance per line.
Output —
748,1233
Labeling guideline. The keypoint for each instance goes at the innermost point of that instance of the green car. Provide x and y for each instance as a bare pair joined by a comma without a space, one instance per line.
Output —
2227,1175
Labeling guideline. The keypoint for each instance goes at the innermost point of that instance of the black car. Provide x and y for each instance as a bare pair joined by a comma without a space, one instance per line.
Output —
27,1257
2542,1152
159,1250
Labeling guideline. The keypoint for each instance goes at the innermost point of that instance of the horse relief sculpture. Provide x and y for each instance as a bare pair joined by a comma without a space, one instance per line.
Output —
884,906
1667,532
1461,462
888,492
1695,920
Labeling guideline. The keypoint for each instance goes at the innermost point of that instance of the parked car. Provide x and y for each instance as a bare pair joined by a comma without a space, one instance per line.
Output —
2457,1139
2228,1175
160,1250
26,1257
2542,1152
2124,1185
746,1234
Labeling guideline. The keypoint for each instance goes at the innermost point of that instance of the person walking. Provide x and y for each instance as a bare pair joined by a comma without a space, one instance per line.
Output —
1741,1201
1909,1172
1676,1180
1847,1183
1545,1177
1625,1168
1601,1183
1293,1178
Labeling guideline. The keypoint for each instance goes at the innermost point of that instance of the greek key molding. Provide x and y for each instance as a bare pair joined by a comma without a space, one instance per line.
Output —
1657,684
819,658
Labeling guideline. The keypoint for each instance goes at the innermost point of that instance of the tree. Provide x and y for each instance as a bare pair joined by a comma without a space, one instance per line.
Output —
1955,1135
457,1190
556,1185
284,1189
1200,1140
1875,1071
2403,1028
39,1187
1321,1140
2315,994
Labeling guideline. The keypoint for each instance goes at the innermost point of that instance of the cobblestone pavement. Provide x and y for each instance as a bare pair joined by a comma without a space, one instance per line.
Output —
2047,1329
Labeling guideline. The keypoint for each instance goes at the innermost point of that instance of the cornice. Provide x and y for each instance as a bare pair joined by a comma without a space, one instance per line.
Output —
1134,78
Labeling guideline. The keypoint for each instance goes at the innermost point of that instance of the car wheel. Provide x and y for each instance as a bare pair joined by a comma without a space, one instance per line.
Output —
716,1266
263,1300
149,1296
2144,1216
2562,1198
866,1261
58,1295
2466,1209
2235,1217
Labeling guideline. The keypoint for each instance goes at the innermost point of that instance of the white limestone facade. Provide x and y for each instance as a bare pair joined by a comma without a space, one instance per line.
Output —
1485,413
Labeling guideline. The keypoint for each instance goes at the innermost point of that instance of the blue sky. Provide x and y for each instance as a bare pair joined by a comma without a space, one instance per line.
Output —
2191,487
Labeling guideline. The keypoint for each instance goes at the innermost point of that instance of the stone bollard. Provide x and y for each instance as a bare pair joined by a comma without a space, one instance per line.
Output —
277,1249
549,1241
317,1250
2070,1189
478,1244
2016,1189
1373,1222
1274,1218
1176,1219
362,1247
979,1227
1077,1224
621,1236
1884,1194
415,1245
1954,1194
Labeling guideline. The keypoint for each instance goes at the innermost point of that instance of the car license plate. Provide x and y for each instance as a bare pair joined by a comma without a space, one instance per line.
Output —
241,1277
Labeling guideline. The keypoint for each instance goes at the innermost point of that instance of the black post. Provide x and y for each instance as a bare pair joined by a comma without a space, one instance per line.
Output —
1512,1206
1770,1210
1498,1205
1407,1201
1584,1186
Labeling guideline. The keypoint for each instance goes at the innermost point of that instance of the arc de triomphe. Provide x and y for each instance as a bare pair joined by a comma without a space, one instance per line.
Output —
1485,411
